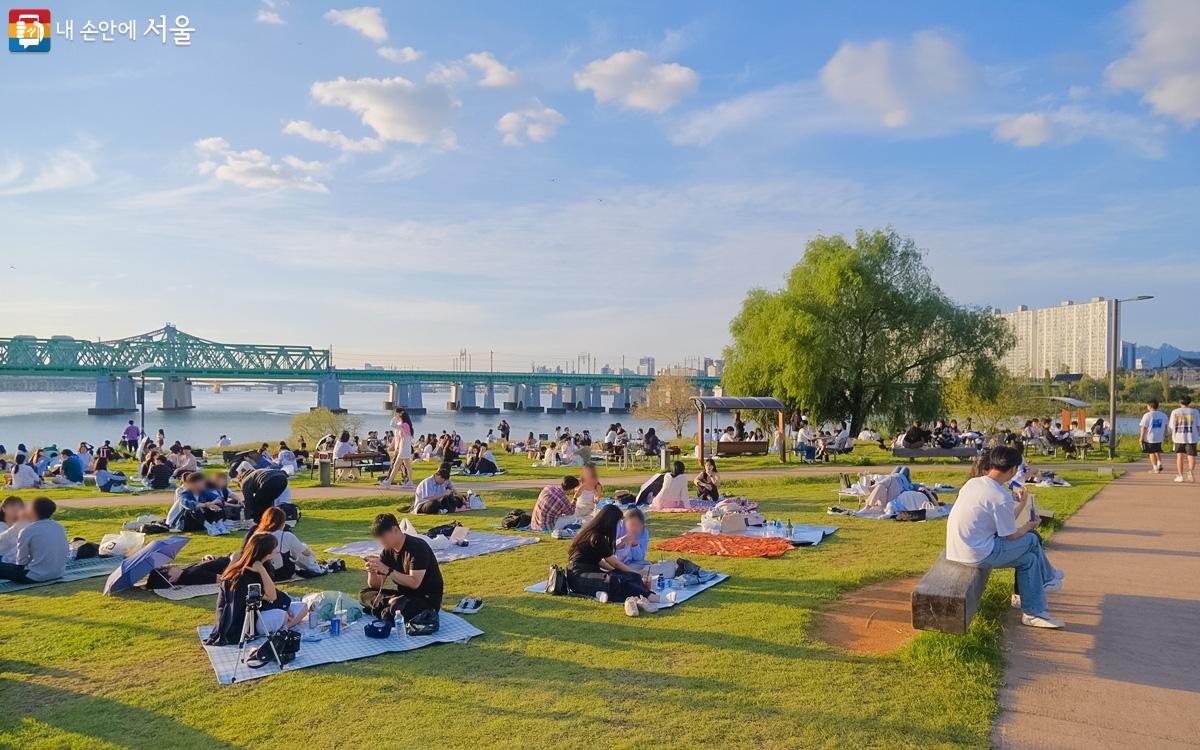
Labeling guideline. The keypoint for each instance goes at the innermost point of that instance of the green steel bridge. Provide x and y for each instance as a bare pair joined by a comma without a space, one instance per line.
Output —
177,358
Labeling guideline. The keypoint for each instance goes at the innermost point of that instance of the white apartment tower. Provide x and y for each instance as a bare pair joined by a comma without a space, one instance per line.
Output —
1072,337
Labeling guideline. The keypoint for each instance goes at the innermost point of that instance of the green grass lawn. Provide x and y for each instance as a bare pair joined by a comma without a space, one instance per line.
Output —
734,667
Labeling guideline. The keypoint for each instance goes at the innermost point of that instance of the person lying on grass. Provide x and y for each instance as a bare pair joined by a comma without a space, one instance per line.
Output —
982,532
278,610
593,568
405,578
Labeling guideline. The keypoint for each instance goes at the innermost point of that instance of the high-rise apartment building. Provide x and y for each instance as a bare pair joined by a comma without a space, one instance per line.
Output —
1072,338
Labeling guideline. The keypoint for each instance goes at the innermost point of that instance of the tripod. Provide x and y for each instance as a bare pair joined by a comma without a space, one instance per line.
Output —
250,632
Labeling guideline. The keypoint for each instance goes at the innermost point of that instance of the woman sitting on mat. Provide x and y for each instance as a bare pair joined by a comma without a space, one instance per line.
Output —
292,557
674,491
278,610
708,482
588,492
595,546
633,538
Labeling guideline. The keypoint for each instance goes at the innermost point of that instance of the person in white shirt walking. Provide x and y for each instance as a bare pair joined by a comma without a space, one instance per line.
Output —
982,532
1151,430
1184,425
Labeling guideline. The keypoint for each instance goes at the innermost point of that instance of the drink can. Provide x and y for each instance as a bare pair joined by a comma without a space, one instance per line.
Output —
314,620
335,625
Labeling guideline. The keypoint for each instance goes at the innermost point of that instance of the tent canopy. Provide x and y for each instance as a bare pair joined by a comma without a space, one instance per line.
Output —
1070,402
737,403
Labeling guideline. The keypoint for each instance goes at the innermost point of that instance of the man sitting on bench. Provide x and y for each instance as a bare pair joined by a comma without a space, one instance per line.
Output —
982,532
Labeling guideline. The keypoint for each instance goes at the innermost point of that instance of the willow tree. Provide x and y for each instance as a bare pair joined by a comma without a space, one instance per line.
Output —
861,330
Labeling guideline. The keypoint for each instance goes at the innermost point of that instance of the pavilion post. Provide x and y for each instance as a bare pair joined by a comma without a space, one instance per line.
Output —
782,440
700,435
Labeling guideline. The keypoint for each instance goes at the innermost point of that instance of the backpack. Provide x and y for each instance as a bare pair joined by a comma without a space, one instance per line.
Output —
425,622
443,530
290,511
82,549
154,528
516,519
285,643
556,581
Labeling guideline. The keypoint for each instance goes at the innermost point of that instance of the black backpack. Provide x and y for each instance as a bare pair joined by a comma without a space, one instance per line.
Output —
443,530
290,511
556,582
284,642
82,549
425,622
516,519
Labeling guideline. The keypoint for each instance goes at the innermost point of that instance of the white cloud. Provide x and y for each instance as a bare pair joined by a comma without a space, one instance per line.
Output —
255,169
445,74
1027,130
535,123
1164,64
395,108
894,81
1072,123
400,54
269,12
61,169
495,74
634,79
366,20
334,138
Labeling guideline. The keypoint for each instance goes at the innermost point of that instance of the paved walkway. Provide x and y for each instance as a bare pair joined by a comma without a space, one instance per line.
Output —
1126,671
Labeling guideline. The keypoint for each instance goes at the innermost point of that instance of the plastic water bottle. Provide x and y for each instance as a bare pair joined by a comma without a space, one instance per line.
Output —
661,582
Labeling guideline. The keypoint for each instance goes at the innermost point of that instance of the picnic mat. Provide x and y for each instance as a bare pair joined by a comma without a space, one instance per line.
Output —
480,543
76,570
726,545
803,534
179,593
681,594
931,514
351,644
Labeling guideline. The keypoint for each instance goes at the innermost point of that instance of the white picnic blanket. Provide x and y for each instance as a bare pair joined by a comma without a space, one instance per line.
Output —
179,593
351,644
479,543
803,534
931,514
76,570
681,594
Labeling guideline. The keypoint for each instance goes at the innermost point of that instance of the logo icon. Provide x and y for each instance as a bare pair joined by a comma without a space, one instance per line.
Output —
29,30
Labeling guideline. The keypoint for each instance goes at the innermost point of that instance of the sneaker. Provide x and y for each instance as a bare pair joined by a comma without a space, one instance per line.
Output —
1043,620
1159,469
1179,479
1016,601
385,482
408,486
1192,477
1053,586
602,597
646,604
208,527
631,606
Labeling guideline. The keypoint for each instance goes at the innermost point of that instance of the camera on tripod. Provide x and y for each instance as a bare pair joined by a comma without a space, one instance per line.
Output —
254,597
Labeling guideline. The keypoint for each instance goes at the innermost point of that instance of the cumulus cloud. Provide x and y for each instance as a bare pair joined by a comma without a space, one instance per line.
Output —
334,138
495,73
445,74
535,123
269,12
61,169
395,108
255,169
399,54
1072,123
634,79
1164,64
366,20
894,81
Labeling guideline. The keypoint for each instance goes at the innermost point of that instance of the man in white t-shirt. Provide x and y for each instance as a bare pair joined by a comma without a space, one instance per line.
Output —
1184,425
982,531
1151,430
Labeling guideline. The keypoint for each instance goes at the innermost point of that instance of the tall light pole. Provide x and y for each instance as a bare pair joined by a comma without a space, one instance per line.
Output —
1115,360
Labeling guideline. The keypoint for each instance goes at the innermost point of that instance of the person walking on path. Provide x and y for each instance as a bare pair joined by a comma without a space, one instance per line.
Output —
1151,431
402,429
1184,425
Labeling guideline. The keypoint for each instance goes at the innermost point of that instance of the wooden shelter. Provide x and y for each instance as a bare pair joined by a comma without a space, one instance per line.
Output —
727,404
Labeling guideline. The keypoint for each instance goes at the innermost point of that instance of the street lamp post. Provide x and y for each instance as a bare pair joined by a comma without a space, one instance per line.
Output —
140,371
1115,360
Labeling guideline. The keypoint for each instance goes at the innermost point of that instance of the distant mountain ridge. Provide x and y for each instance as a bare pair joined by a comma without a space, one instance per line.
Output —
1161,355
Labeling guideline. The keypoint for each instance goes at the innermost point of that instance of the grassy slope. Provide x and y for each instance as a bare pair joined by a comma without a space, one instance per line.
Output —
734,667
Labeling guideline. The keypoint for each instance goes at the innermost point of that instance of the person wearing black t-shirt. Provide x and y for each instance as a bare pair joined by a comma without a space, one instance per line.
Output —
405,577
593,567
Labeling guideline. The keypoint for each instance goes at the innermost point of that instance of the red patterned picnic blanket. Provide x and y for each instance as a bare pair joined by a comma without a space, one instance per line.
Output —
726,545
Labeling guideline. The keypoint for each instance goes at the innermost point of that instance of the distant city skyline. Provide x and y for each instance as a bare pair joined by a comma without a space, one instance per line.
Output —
544,180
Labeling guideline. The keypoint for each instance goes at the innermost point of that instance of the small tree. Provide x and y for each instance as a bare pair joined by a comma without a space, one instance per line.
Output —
1005,402
316,424
669,401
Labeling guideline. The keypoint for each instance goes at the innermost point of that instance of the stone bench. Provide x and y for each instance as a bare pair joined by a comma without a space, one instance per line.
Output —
947,598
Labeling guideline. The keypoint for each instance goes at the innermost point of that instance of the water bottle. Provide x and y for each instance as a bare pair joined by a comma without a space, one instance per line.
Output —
400,623
661,583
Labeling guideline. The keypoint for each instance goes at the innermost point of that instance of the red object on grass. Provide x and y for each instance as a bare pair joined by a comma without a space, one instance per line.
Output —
726,545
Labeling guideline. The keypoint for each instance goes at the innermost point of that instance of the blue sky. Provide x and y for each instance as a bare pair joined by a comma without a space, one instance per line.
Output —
542,179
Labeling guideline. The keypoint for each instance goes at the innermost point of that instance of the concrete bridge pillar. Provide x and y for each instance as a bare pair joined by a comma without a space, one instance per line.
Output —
278,388
556,399
637,395
514,398
596,405
568,397
414,406
126,394
176,394
467,402
620,402
455,399
489,400
106,396
397,396
329,394
533,397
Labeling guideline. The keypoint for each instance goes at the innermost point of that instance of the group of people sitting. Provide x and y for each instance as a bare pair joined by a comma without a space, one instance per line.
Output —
821,444
1048,437
33,546
940,434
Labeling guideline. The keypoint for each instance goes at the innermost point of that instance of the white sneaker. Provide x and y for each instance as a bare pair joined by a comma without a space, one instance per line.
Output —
1044,620
1179,479
384,483
1158,469
631,606
647,605
602,597
1016,601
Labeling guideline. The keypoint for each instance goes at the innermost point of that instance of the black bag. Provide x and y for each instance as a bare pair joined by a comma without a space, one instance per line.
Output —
425,622
285,642
683,567
192,520
556,582
290,511
624,497
516,519
154,528
910,515
443,530
82,549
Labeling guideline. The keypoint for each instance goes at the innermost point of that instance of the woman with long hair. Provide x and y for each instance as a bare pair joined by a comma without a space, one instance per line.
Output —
402,429
708,482
594,570
251,567
590,490
292,557
674,490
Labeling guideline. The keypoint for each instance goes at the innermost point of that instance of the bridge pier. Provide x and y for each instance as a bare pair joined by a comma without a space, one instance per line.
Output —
533,398
397,396
568,397
620,403
514,398
596,405
556,399
176,394
414,405
329,395
106,397
467,402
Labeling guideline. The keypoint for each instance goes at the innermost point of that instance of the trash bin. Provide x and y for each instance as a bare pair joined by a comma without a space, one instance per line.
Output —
325,471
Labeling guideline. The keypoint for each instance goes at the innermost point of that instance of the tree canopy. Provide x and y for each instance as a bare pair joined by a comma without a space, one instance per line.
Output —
861,330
